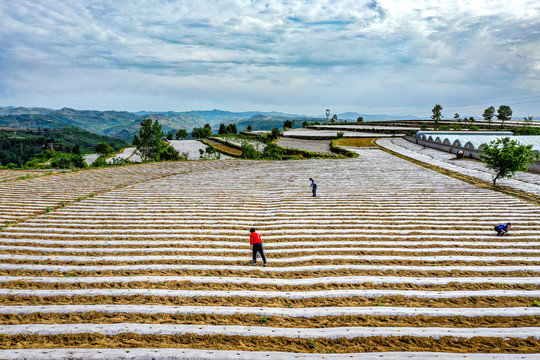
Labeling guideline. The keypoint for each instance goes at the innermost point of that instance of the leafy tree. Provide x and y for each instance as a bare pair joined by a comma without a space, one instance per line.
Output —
76,150
305,124
436,115
457,118
287,124
471,119
506,157
170,135
488,115
360,119
275,133
222,129
201,133
249,128
104,149
248,151
231,129
504,113
149,143
181,134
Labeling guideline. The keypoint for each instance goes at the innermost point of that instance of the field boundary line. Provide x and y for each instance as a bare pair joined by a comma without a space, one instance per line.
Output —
471,180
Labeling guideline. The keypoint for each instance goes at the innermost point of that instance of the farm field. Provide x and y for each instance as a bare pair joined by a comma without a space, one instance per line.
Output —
318,146
154,260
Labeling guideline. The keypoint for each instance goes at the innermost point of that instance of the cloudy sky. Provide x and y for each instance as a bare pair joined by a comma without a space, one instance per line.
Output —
301,56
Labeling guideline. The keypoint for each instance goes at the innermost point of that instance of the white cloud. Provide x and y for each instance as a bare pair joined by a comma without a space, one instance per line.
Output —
385,55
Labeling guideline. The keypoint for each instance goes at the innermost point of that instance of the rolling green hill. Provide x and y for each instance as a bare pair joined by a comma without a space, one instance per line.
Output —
124,125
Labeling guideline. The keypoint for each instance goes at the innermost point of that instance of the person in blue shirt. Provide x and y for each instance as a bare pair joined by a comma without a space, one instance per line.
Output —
502,229
313,187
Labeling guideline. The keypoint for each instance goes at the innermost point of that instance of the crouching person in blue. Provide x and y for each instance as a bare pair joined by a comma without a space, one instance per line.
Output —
502,229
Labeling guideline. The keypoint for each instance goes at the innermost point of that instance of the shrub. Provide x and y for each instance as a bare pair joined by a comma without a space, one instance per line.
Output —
273,152
57,159
340,134
169,154
275,133
104,149
248,151
99,162
527,130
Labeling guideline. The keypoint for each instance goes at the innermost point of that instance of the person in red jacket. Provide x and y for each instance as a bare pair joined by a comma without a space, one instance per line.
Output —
256,245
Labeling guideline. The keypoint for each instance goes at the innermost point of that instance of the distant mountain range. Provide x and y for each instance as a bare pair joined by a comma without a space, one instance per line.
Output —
124,125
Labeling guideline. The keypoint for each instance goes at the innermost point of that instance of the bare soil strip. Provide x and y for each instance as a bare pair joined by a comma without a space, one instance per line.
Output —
316,345
396,300
284,322
209,279
186,285
226,148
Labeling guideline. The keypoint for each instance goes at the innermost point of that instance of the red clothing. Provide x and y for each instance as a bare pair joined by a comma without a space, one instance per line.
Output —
254,238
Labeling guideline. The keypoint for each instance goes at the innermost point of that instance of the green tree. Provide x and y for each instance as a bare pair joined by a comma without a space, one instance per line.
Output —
287,124
275,133
488,114
437,116
170,135
527,121
181,134
360,119
149,142
201,133
249,128
457,118
222,129
248,151
506,157
504,113
104,149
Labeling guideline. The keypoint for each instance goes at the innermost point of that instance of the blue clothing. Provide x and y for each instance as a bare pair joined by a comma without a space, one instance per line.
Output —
501,229
314,187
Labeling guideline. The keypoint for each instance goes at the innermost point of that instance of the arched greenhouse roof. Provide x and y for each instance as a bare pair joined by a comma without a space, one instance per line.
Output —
477,140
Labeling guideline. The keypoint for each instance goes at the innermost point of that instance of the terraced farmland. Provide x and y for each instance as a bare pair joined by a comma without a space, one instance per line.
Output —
389,258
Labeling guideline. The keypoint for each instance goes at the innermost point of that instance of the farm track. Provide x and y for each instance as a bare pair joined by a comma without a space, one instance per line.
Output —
387,248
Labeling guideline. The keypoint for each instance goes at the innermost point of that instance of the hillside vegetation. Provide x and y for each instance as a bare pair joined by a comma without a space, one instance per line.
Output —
17,147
